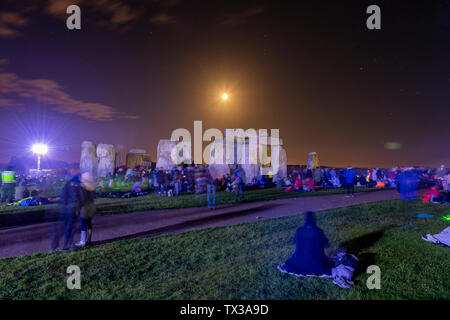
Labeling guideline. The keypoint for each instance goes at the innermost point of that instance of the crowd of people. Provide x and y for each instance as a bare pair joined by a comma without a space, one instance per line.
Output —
128,182
32,189
327,178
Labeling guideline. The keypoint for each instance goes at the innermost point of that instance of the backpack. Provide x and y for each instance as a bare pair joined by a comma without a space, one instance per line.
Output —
345,265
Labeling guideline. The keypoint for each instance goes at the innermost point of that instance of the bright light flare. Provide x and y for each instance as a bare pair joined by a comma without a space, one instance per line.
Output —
39,148
224,96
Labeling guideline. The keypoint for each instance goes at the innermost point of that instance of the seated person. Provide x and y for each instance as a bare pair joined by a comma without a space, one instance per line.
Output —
336,182
262,181
298,184
308,185
309,257
432,195
137,187
362,181
327,184
287,182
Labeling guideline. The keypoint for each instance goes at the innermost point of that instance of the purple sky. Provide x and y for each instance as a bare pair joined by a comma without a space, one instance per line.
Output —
137,70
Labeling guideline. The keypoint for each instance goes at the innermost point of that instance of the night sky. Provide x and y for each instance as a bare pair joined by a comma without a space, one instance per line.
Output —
137,70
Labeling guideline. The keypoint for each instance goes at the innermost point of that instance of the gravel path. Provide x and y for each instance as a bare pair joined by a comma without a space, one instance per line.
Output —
25,240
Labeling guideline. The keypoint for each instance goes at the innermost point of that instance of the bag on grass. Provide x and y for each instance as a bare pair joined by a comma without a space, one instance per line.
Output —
345,265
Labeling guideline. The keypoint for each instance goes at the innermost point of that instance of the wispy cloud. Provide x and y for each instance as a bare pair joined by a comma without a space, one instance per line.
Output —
166,3
10,23
109,14
57,8
8,103
51,93
163,18
241,17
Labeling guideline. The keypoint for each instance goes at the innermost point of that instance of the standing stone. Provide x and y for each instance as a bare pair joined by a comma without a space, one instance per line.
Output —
138,158
248,161
88,161
138,151
170,154
266,148
313,161
281,159
132,160
106,159
120,155
181,153
218,166
250,164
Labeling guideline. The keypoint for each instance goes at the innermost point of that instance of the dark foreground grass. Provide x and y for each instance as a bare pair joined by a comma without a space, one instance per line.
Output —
239,262
152,201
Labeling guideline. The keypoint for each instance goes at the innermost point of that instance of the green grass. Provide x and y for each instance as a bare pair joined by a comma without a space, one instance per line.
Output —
239,262
152,201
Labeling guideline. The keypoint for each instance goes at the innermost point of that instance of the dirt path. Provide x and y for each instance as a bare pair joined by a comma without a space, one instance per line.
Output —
36,238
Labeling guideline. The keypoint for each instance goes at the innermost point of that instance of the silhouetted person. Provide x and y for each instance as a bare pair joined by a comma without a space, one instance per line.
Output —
309,257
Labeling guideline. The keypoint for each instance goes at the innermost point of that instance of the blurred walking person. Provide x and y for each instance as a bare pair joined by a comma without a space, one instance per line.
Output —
87,208
178,180
160,180
8,185
441,175
70,200
239,183
446,182
407,186
349,175
317,176
210,190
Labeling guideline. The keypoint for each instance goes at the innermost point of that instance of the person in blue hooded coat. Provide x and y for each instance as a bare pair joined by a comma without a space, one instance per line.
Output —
407,186
309,257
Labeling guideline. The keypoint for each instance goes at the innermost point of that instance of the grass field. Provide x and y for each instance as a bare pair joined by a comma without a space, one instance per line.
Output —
152,201
239,262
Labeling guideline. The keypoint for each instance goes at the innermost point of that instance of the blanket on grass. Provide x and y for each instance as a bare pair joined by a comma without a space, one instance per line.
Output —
439,238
